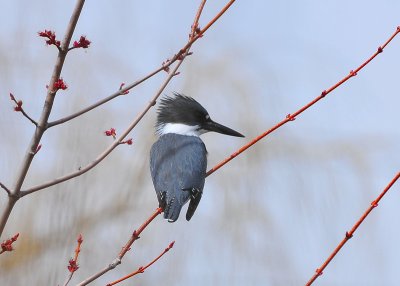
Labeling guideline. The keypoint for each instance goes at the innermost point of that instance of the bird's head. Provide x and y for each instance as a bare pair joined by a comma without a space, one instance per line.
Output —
183,115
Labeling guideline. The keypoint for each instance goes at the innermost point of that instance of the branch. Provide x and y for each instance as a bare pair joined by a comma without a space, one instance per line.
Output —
5,188
141,269
195,34
42,123
292,117
104,154
18,108
73,262
195,25
105,100
135,235
349,234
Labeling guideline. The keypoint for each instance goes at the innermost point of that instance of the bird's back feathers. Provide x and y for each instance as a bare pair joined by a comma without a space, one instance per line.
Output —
178,165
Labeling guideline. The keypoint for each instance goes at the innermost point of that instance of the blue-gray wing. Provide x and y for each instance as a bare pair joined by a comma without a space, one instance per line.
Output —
178,165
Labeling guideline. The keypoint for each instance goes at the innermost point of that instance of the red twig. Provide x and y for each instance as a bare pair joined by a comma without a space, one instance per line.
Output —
291,117
77,251
7,245
349,234
195,26
135,235
73,262
141,269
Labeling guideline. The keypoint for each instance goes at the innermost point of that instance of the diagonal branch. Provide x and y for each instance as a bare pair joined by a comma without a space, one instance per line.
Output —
42,123
118,260
349,234
5,188
141,269
18,108
73,262
105,100
292,117
28,117
195,25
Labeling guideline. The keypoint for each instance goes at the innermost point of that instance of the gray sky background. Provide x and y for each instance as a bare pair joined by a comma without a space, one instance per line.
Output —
271,216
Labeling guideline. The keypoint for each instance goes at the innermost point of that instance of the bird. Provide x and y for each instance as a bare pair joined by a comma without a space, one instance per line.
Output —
178,159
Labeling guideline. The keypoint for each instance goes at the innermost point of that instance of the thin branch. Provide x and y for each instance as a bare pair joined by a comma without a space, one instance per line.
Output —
133,124
141,269
5,188
105,100
71,175
349,234
73,262
194,36
195,26
28,117
42,123
292,117
135,235
18,108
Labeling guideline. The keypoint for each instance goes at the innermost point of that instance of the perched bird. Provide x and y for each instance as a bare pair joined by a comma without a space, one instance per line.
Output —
178,160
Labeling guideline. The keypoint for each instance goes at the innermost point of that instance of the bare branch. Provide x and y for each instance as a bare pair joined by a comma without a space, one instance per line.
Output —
73,262
141,269
105,100
349,234
195,26
5,188
18,108
28,117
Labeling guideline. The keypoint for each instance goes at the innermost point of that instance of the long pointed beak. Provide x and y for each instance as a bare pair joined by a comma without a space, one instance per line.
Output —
216,127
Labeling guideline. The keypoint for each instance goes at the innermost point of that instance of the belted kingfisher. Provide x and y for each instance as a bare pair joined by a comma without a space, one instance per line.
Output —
178,160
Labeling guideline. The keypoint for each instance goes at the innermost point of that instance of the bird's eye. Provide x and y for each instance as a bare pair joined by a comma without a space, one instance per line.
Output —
207,117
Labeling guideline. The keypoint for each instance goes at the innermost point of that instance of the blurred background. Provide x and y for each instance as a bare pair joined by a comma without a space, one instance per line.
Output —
269,217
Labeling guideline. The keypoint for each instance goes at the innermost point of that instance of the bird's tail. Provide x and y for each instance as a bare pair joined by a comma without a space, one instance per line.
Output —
195,198
172,210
